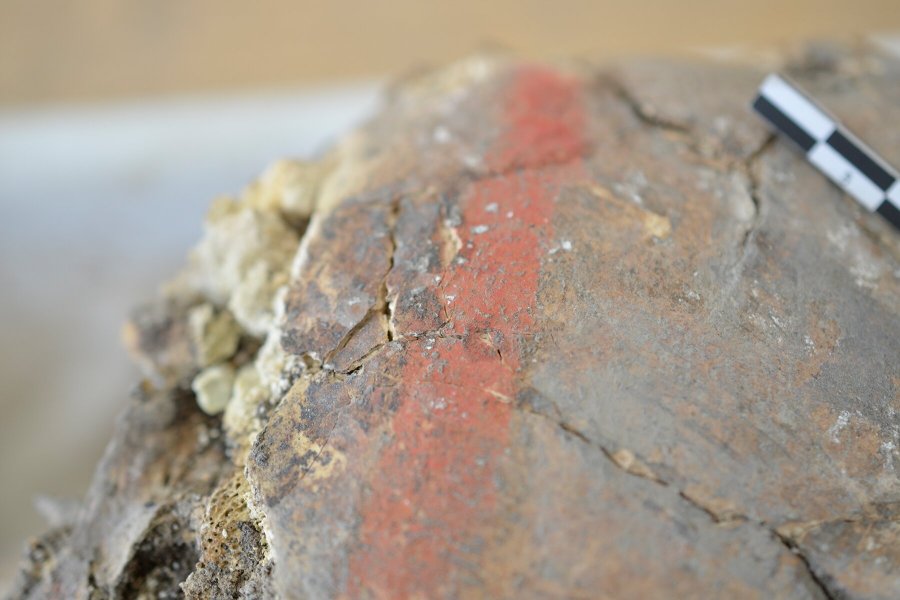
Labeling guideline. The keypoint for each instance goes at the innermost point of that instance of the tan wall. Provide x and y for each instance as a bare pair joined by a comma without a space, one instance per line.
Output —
90,49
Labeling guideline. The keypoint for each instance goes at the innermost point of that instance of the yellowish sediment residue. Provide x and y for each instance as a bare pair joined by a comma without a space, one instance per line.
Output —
654,225
626,460
214,334
212,387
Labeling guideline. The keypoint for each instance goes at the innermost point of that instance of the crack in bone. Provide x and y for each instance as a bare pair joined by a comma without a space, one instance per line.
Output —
821,580
643,112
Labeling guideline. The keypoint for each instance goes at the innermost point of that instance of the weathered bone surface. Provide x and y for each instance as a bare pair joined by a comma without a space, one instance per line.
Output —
534,332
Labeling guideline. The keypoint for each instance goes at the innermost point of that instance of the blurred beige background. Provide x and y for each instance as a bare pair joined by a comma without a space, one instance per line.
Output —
119,120
98,49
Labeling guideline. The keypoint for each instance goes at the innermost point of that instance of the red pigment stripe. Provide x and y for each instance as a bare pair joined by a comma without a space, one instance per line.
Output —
544,122
434,488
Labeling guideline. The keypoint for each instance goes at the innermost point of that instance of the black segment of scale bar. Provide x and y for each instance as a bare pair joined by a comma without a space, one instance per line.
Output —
783,123
859,159
890,212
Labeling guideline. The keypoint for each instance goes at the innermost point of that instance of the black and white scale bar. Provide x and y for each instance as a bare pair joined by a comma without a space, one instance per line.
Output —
833,150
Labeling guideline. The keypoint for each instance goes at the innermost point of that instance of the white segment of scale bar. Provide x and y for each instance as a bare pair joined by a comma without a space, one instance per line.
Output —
893,194
800,110
839,170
